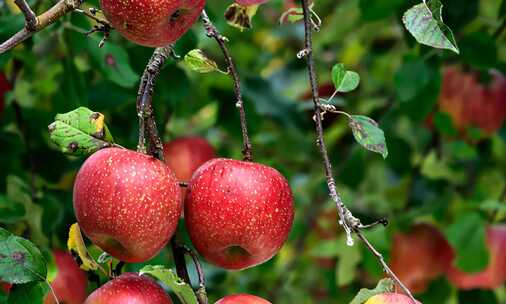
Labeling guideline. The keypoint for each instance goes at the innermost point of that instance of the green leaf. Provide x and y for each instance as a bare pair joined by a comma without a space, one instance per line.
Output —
198,61
183,291
368,134
292,15
20,260
411,79
10,211
344,81
80,132
113,61
349,258
30,293
467,235
384,285
425,23
240,16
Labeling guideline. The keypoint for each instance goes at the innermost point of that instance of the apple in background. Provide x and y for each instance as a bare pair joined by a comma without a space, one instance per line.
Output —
242,299
495,274
472,104
152,23
5,287
185,154
250,2
428,247
129,288
127,203
4,88
70,282
390,298
238,214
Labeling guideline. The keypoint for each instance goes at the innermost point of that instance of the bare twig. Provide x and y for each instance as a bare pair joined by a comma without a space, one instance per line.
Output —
347,220
36,24
212,32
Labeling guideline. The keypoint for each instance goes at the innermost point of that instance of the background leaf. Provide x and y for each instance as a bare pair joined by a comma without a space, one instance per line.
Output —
368,134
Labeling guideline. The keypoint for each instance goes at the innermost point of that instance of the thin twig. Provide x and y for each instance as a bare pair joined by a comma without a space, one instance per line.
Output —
347,220
213,32
41,22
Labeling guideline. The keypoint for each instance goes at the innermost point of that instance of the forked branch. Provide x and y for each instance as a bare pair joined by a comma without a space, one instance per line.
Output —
351,224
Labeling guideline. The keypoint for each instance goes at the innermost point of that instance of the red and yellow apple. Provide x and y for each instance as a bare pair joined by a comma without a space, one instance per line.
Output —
495,274
70,282
390,298
238,214
127,203
425,245
153,23
129,288
242,299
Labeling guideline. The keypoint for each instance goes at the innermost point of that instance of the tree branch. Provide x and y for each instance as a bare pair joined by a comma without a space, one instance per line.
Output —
347,220
35,24
212,32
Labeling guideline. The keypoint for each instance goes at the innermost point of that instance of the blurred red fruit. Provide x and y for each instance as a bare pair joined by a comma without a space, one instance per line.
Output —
4,88
242,299
390,298
5,287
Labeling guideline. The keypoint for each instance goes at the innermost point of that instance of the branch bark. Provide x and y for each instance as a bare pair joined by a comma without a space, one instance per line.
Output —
347,220
213,32
35,24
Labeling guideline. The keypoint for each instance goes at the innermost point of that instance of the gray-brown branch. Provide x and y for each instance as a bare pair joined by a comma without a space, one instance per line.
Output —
213,32
347,220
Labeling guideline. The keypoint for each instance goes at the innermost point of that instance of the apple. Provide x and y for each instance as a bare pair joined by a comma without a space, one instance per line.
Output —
390,298
185,154
472,104
242,299
129,288
127,203
495,274
152,23
70,282
250,2
238,214
425,245
5,287
4,88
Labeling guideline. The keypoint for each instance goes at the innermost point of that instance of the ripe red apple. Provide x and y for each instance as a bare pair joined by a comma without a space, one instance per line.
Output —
4,88
70,282
495,274
127,203
242,299
152,23
238,213
471,103
184,155
129,288
428,247
390,298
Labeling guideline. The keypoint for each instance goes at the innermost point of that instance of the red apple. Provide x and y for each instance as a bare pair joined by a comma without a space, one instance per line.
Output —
4,88
70,282
390,298
472,104
242,299
127,203
5,287
152,23
184,155
495,274
428,247
129,288
238,213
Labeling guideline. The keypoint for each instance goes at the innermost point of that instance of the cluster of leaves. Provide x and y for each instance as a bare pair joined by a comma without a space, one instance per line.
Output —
431,174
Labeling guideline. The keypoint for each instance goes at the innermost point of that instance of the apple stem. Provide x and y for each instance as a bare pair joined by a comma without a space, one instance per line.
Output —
34,24
346,219
213,32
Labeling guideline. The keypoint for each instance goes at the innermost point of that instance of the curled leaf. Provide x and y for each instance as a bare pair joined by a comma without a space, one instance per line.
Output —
76,245
198,61
240,16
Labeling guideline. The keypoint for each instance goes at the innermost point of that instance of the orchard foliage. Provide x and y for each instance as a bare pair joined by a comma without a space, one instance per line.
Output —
412,106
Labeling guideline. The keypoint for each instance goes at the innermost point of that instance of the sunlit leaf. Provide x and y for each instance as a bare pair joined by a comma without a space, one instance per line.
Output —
76,245
344,81
425,23
240,16
168,277
198,61
368,134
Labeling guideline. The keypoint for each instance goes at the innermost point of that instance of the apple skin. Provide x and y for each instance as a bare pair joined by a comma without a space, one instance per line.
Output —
129,288
428,247
495,274
242,299
127,203
70,282
152,23
185,154
238,214
472,104
390,298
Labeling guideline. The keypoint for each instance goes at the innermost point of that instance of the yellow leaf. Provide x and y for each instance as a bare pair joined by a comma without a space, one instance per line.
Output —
76,244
